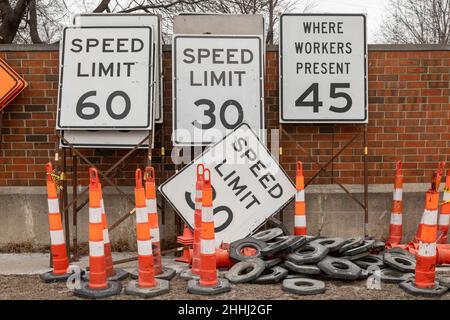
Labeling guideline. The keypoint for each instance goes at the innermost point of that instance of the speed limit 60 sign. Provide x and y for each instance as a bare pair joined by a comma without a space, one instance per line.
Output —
249,186
323,68
217,85
105,78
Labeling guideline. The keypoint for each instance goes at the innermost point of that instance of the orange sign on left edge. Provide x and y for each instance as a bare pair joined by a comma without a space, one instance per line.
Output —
11,84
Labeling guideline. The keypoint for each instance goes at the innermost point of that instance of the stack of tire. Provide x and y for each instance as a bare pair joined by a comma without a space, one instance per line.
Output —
303,263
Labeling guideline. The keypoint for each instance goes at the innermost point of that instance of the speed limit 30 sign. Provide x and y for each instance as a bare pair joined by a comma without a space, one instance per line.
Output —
105,78
217,85
323,68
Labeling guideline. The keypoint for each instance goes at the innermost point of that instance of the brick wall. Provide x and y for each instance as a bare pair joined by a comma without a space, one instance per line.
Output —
409,114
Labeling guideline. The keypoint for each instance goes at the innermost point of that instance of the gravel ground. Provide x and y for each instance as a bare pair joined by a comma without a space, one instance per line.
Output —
30,287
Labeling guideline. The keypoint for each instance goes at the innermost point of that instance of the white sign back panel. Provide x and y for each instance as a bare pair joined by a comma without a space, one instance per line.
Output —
134,19
323,68
217,85
249,185
104,139
105,78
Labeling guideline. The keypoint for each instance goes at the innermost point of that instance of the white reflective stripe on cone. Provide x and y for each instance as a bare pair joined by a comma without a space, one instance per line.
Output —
57,237
429,217
53,206
198,206
446,196
154,233
151,205
207,214
208,246
396,218
427,249
444,219
300,220
96,249
95,215
398,194
300,195
105,236
141,215
144,247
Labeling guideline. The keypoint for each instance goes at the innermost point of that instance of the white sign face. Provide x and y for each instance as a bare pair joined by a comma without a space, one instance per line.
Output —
105,78
217,85
323,68
104,138
249,185
135,19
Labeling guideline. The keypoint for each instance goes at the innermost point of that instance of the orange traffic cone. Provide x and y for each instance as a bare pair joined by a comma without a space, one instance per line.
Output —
208,283
437,177
152,210
300,208
194,272
147,285
187,240
57,242
114,274
97,286
424,282
197,220
444,216
395,228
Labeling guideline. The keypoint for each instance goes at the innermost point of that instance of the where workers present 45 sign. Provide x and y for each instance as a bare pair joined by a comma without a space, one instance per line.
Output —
105,78
217,85
323,68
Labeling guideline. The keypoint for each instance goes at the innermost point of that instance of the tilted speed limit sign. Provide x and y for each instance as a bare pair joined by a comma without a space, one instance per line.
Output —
105,78
323,68
249,185
217,85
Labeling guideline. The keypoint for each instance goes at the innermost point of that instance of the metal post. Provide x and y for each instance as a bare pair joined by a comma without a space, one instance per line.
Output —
64,203
280,154
366,185
74,205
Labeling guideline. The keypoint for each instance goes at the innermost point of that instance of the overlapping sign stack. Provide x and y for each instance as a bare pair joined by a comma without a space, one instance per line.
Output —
11,84
110,80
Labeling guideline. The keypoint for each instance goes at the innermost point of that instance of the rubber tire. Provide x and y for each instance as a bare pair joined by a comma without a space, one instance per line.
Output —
394,276
372,260
280,246
114,288
351,243
400,262
267,235
319,252
366,246
328,266
309,287
356,256
272,262
302,268
237,246
275,275
437,291
333,244
222,286
238,273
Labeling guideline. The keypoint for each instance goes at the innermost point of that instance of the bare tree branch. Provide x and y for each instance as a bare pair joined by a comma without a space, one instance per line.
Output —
34,34
103,6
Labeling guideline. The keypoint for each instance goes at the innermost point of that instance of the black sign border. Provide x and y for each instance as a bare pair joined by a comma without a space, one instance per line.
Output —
365,119
174,85
161,187
8,70
149,120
